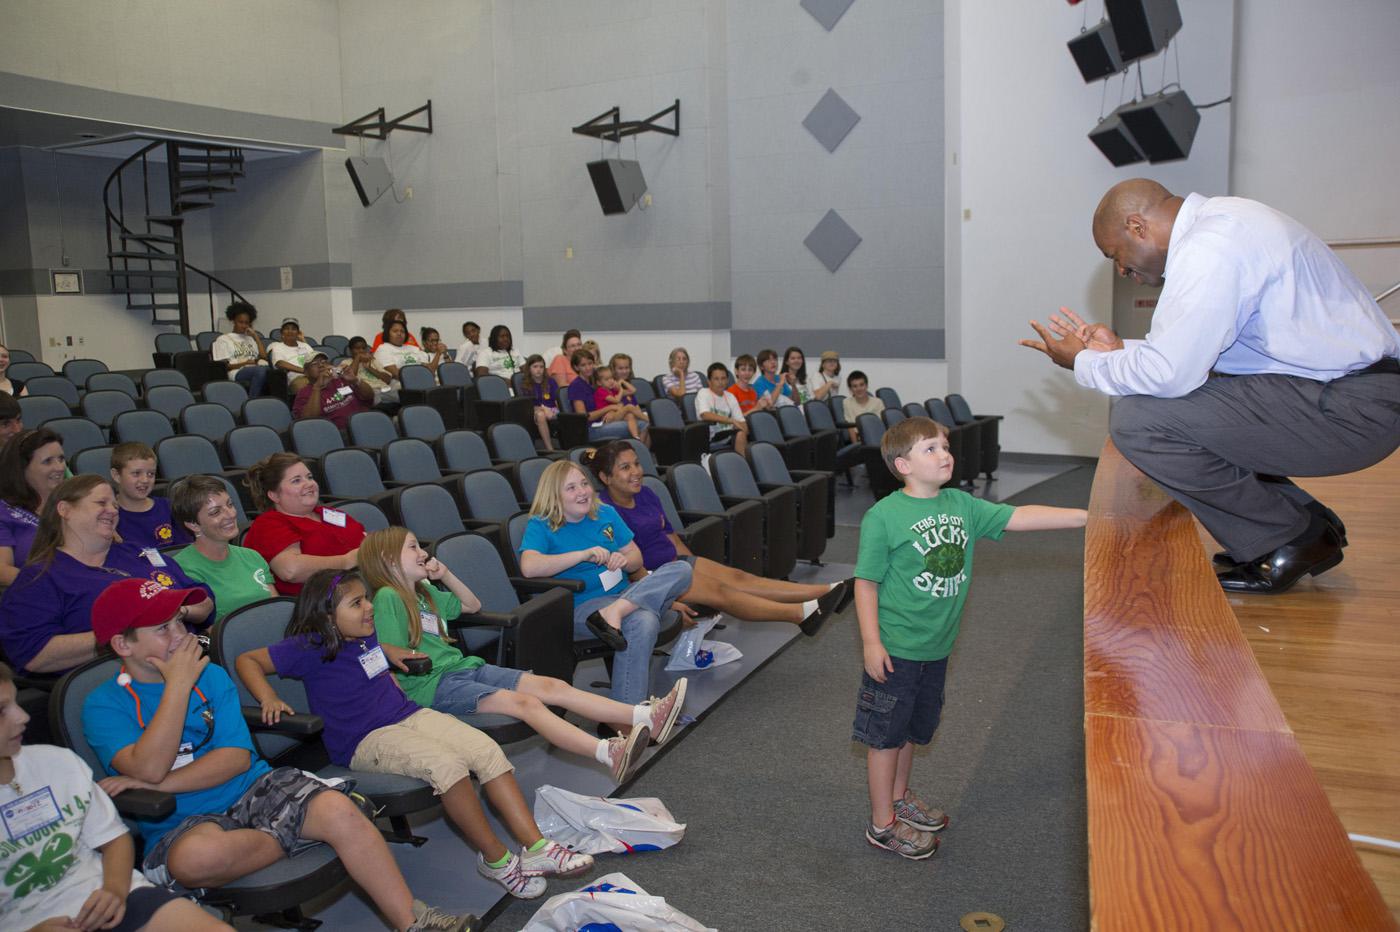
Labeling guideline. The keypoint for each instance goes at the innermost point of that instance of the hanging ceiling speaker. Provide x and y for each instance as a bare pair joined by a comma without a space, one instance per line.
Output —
1163,125
1114,140
1095,51
1142,27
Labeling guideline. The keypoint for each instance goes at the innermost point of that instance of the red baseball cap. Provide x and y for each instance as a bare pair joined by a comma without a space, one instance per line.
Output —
137,603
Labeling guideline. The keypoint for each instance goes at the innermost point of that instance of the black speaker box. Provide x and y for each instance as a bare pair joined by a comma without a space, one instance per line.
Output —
1096,52
1163,125
1115,142
618,182
1142,27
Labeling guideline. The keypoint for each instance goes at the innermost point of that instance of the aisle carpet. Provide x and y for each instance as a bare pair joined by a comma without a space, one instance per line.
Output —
773,790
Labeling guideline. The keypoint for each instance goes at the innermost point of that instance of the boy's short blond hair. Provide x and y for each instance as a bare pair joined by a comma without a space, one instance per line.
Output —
901,438
124,453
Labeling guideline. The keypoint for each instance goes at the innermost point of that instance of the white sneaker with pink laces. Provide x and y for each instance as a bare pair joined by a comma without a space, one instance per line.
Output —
665,711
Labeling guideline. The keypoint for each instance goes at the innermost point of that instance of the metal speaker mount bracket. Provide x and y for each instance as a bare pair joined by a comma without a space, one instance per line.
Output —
373,125
610,125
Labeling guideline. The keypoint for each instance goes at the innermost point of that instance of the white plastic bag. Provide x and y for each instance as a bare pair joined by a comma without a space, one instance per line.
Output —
595,825
692,652
612,902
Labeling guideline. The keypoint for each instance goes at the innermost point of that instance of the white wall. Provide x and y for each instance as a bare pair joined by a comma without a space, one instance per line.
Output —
1018,120
1317,132
259,56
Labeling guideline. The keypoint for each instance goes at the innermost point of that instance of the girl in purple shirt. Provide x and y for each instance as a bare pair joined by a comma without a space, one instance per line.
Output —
371,725
540,388
722,587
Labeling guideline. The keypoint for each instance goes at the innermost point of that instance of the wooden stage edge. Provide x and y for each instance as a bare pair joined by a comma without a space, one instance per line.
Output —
1205,806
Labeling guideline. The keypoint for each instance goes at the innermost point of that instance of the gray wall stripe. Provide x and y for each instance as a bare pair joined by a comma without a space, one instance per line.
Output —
154,113
440,295
693,315
862,344
269,277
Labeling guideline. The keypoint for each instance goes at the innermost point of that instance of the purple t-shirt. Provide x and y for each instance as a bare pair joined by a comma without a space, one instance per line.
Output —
17,527
350,701
544,394
153,527
579,390
57,598
647,521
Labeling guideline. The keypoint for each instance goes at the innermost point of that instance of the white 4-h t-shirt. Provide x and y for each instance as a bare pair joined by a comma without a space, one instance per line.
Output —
49,836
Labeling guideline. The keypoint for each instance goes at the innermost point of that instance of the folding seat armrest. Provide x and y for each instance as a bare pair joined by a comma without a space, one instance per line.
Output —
734,501
146,805
483,619
539,584
690,517
291,724
766,487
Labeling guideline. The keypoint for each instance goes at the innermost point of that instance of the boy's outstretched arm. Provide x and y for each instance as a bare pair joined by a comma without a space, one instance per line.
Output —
1046,518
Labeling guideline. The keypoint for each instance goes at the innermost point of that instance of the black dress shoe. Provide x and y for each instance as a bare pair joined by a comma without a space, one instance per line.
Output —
605,632
1225,561
1315,551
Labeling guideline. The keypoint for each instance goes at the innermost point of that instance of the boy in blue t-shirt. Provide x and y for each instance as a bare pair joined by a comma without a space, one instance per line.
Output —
912,574
171,721
144,520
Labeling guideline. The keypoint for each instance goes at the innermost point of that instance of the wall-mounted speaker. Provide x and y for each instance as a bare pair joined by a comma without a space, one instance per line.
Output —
1142,27
1114,140
1095,51
371,178
618,182
1163,125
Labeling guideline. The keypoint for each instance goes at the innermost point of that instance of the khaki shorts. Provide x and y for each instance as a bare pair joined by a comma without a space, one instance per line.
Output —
438,749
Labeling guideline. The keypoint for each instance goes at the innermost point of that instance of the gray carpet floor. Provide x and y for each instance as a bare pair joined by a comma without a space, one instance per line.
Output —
773,790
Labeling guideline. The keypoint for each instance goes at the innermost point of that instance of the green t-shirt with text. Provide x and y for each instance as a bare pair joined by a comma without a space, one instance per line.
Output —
391,624
240,579
919,552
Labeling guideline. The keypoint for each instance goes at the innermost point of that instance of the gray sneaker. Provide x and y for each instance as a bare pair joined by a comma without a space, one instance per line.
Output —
917,814
902,840
427,917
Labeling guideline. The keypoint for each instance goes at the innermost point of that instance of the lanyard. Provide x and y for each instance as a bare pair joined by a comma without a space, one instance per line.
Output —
125,680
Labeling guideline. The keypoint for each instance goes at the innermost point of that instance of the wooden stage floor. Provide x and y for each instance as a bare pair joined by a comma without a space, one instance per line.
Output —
1330,650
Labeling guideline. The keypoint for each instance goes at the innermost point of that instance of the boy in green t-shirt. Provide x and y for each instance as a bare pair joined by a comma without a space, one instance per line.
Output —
912,574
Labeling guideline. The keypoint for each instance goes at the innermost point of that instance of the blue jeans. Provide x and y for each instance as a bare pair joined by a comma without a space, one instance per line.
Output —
631,675
252,378
613,430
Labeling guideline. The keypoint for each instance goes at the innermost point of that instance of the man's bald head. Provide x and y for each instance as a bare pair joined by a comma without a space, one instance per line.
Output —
1135,196
1133,227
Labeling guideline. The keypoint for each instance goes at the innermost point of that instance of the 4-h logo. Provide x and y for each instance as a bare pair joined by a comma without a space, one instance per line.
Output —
44,869
165,581
164,533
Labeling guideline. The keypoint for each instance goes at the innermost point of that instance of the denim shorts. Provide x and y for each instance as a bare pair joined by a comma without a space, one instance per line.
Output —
458,692
905,708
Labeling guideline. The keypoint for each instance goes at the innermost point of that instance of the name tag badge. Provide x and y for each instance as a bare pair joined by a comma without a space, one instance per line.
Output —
430,623
374,662
331,516
29,813
153,556
610,578
185,756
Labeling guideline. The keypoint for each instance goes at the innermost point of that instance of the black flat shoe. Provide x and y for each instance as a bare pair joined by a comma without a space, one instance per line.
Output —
605,632
1226,562
848,596
827,606
1315,551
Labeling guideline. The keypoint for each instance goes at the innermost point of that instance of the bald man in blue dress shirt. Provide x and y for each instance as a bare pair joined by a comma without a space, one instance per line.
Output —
1311,382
